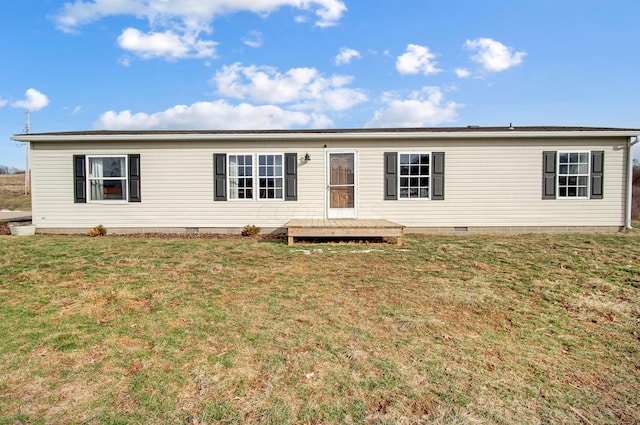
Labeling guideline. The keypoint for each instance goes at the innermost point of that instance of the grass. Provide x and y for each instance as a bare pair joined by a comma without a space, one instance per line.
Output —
464,329
12,195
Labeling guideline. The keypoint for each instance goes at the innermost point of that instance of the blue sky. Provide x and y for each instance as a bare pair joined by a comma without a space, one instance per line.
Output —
247,64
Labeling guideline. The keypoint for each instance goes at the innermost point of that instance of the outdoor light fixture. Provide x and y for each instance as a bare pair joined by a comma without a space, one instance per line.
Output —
307,157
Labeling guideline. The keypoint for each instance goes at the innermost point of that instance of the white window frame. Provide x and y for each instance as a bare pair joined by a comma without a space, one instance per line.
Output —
577,175
400,176
124,178
258,177
255,177
230,177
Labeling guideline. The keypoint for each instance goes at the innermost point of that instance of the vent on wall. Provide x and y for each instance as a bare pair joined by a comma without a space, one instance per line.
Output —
461,229
192,230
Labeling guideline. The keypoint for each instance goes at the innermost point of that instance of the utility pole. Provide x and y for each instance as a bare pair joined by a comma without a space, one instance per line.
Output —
27,168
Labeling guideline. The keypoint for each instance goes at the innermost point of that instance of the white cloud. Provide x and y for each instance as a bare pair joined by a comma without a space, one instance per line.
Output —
330,12
75,110
463,73
218,115
190,13
3,102
125,61
176,25
492,55
34,101
254,39
166,44
346,55
303,88
417,59
80,13
423,108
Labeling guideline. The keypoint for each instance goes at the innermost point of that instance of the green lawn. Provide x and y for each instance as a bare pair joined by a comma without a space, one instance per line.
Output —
15,202
449,329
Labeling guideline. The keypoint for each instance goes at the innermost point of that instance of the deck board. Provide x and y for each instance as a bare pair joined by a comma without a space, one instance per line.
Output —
324,228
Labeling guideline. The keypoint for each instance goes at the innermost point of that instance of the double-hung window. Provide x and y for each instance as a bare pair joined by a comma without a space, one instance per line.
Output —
263,176
270,176
266,174
573,174
107,178
415,173
241,176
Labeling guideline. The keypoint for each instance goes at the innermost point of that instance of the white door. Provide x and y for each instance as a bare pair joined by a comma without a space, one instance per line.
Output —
341,184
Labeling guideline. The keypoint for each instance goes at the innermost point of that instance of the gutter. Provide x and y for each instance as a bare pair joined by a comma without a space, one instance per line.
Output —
630,144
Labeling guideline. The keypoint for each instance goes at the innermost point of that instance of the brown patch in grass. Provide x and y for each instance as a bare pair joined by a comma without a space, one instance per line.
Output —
12,195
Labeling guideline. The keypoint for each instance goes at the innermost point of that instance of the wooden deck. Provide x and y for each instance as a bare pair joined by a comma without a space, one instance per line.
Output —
346,228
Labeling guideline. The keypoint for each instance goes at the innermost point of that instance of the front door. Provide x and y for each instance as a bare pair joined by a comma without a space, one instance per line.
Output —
341,184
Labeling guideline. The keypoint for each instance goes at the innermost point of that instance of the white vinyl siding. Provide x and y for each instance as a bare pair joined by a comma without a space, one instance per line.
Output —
493,183
177,186
488,183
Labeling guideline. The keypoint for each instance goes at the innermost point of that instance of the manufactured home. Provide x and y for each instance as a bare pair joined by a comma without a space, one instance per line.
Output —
473,179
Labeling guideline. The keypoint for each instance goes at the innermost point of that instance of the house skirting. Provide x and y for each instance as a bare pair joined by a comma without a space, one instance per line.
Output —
407,230
513,229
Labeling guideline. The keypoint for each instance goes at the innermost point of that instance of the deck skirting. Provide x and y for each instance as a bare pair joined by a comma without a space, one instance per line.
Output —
347,228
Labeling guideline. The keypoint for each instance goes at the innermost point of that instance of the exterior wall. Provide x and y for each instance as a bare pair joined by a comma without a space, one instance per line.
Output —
177,188
488,184
498,183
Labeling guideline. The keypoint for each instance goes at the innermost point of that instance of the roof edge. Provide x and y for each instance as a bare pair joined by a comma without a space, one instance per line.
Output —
469,132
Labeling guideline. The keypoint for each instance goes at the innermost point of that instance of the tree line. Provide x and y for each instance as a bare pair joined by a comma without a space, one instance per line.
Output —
5,169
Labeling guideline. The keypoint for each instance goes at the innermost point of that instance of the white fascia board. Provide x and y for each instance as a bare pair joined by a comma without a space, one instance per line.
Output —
512,134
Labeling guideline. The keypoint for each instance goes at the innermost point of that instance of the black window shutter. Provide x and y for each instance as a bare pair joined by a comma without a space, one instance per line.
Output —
134,178
290,176
549,174
437,176
79,179
597,171
390,175
219,177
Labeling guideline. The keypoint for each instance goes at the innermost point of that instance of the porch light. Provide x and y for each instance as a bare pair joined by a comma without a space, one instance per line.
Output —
307,157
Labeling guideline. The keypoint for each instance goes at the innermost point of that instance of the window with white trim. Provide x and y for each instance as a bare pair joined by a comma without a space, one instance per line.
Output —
262,176
573,174
107,176
414,175
270,176
241,176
